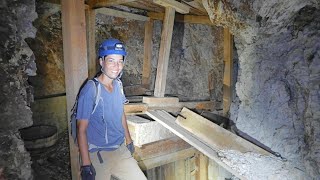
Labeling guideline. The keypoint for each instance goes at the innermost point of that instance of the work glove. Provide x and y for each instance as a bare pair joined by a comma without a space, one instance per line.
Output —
131,147
88,172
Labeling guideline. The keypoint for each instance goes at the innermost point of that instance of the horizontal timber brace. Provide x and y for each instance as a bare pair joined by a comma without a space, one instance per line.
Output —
167,103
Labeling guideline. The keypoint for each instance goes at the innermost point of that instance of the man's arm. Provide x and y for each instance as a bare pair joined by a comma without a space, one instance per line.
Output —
126,129
82,125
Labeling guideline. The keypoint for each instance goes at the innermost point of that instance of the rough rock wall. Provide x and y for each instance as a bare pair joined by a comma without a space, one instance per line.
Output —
131,32
16,63
196,63
48,51
49,106
195,69
278,44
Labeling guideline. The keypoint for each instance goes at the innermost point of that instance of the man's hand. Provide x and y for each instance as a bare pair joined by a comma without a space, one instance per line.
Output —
88,172
130,146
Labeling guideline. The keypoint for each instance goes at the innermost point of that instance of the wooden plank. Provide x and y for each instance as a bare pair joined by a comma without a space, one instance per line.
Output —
135,108
228,69
216,172
146,68
160,148
58,2
163,152
75,62
188,168
121,14
180,170
196,5
169,104
192,19
165,159
107,3
92,59
215,136
168,171
201,163
157,103
164,52
201,105
168,121
179,7
156,15
146,5
192,166
163,101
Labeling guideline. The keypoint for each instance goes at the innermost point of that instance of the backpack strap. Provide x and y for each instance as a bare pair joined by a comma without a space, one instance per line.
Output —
121,89
98,93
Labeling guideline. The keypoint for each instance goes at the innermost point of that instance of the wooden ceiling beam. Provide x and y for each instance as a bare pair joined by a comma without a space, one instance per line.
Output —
146,5
121,14
179,7
196,5
106,3
183,18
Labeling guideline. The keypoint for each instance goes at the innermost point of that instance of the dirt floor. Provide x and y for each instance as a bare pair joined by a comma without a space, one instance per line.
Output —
52,163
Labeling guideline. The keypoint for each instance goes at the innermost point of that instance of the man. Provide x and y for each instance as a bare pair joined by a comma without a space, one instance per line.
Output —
103,136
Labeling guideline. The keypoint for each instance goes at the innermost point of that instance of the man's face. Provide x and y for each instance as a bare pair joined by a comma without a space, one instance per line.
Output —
112,65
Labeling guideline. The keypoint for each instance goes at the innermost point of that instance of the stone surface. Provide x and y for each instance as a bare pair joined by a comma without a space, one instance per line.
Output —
279,75
47,47
16,63
15,160
196,62
196,57
144,131
254,166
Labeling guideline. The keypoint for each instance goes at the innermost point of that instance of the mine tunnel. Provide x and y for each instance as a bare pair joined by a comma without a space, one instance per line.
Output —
216,90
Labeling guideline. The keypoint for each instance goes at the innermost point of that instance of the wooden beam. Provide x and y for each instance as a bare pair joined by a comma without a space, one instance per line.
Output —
201,105
156,15
170,105
146,68
92,58
192,19
168,121
163,152
164,52
107,3
228,69
135,108
165,101
121,14
215,136
179,7
196,5
173,102
146,5
202,163
165,159
75,62
215,171
58,2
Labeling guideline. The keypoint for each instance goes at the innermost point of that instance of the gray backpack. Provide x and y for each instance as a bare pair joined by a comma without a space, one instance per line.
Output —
73,120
